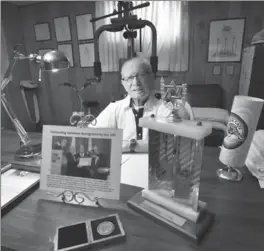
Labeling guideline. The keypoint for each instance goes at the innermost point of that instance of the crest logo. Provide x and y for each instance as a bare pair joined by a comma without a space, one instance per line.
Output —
236,132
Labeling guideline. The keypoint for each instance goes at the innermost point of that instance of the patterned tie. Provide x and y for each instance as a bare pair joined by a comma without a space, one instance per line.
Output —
196,172
170,149
186,154
154,146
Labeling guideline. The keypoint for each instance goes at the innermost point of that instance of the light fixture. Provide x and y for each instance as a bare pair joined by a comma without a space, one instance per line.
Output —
258,38
52,61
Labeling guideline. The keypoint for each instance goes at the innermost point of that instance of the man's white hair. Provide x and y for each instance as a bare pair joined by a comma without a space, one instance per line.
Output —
142,61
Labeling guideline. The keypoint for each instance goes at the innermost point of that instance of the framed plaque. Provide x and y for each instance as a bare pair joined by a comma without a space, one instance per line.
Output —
84,27
62,29
226,40
81,165
86,53
67,49
42,32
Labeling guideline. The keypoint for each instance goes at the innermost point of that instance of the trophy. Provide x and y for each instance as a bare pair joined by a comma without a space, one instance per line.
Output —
175,160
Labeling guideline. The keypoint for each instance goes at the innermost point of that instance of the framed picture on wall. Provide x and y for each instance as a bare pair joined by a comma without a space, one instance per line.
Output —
41,52
226,40
42,32
216,70
86,53
62,29
84,27
229,69
67,49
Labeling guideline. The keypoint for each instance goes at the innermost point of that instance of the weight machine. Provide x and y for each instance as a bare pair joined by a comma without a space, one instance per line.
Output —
125,21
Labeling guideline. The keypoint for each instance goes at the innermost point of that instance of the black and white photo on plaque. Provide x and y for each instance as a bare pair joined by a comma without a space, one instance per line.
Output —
81,157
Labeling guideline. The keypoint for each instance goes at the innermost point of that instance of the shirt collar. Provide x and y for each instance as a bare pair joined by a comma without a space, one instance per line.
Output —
150,103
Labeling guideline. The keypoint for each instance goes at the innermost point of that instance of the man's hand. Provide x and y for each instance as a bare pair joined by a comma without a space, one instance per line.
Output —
132,145
141,146
125,146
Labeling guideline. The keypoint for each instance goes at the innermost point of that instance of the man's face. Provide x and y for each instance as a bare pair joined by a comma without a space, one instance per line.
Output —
64,143
81,149
72,149
95,150
136,80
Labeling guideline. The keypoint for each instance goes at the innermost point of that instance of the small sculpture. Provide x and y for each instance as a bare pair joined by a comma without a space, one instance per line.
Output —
79,118
175,98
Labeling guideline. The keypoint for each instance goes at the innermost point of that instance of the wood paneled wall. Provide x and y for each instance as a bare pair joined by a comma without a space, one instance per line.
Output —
201,13
200,71
11,24
57,103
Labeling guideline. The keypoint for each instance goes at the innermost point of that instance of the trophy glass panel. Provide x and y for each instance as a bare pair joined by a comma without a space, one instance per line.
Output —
187,170
175,166
161,147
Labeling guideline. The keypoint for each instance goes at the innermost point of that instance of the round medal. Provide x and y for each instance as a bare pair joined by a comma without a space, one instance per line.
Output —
105,228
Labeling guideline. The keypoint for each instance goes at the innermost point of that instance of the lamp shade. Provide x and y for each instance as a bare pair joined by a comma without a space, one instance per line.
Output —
54,61
258,38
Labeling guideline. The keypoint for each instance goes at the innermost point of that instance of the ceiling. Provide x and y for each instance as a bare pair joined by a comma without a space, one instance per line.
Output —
21,3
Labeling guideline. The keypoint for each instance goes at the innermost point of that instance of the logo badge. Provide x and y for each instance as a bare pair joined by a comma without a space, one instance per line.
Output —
236,132
105,228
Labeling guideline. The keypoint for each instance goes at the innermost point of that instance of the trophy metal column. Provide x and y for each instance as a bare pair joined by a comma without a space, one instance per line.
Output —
175,162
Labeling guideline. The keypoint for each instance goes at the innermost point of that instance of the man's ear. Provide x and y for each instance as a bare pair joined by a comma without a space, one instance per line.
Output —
151,81
123,92
151,75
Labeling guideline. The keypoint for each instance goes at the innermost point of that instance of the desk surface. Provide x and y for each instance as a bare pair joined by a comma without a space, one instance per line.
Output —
239,223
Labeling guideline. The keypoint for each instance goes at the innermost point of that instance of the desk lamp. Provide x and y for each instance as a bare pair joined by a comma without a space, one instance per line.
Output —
51,61
258,38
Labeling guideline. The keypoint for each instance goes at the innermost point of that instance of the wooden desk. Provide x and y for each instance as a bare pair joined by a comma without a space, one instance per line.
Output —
239,223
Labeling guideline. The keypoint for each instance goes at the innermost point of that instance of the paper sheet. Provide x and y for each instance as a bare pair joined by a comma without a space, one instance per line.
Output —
12,184
134,170
125,158
85,161
261,183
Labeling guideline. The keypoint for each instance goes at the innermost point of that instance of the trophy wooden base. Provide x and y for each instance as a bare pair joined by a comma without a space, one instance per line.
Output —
177,223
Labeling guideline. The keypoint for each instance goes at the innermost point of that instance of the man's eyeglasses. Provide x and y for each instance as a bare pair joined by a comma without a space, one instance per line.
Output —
131,78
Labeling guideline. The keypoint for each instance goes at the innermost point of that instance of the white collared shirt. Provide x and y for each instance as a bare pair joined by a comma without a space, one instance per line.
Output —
120,115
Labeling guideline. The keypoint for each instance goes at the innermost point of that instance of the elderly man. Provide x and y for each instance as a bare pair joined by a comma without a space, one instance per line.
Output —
138,81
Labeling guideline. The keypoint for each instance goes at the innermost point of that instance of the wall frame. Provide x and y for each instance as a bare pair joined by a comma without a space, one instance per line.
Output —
226,40
84,27
217,69
67,49
42,32
62,29
229,69
86,54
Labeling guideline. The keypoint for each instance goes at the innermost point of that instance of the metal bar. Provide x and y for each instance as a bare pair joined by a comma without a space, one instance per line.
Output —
140,39
8,74
19,128
120,12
